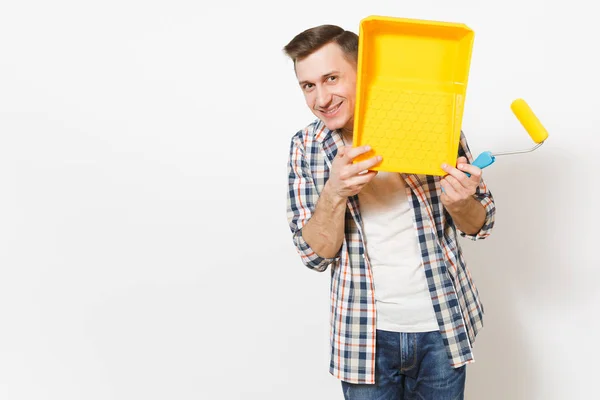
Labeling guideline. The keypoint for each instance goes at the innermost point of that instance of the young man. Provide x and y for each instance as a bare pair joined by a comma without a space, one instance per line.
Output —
404,309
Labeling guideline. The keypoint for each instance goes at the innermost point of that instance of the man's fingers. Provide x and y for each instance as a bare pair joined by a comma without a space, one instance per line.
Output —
354,152
457,174
471,169
453,184
349,171
365,165
361,179
449,193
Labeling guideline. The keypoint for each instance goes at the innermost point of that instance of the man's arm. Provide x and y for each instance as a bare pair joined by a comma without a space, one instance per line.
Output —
317,223
468,215
324,232
467,199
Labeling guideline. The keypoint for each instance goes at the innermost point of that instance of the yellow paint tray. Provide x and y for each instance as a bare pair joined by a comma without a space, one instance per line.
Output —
411,85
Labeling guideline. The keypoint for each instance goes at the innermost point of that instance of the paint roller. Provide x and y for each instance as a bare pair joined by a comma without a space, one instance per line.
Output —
532,125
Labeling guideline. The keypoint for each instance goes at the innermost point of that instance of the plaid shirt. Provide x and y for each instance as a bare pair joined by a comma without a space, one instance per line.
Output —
455,298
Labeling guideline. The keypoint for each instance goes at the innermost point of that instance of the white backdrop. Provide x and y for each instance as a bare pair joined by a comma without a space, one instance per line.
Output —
144,250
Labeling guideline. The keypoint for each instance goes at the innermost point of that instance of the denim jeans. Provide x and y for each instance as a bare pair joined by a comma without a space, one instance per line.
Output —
410,366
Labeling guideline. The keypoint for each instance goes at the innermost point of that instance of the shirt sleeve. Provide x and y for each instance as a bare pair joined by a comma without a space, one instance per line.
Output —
482,194
301,201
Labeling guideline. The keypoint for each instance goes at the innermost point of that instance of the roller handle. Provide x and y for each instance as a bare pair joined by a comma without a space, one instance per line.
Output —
485,159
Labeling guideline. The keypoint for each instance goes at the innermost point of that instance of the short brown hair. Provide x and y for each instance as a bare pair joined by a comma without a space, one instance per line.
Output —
311,40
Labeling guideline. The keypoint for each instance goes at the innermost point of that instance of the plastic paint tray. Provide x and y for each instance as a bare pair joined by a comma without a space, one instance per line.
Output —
411,84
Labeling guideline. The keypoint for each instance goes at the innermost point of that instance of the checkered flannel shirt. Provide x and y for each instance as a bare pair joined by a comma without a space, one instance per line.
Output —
455,298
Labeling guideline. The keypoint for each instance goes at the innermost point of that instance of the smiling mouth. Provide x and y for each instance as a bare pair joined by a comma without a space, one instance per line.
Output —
332,110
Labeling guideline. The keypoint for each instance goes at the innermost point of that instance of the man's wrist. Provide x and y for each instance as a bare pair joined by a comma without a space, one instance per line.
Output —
332,196
463,207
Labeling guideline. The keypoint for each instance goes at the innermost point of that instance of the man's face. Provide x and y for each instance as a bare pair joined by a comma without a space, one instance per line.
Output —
328,81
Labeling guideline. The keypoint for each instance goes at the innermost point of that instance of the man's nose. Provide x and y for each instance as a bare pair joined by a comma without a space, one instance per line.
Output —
323,97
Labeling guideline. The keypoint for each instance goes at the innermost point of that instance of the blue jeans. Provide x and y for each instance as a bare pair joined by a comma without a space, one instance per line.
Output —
410,366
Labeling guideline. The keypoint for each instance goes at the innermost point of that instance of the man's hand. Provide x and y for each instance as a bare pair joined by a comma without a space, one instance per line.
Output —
458,187
347,179
324,231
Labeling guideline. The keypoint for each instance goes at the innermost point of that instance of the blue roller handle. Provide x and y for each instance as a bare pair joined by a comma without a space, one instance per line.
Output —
485,159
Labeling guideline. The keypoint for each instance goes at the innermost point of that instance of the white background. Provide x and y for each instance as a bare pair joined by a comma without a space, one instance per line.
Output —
144,249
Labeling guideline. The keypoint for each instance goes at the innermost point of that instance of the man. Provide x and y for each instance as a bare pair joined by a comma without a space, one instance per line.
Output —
404,309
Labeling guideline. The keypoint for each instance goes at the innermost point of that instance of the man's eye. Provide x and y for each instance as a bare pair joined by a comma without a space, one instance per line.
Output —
308,86
332,78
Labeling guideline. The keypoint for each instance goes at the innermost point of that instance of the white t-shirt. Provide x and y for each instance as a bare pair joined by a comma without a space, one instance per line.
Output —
401,293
